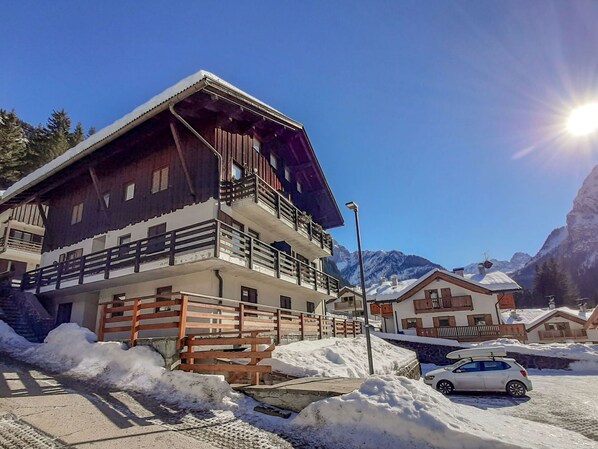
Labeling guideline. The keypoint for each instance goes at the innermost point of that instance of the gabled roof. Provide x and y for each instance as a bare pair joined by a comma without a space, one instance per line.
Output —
533,318
495,282
24,189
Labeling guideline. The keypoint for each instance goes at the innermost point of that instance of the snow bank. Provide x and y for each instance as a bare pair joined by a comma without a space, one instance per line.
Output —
390,412
338,357
73,350
574,351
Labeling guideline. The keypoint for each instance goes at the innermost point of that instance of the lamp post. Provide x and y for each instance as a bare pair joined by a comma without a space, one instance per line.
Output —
353,206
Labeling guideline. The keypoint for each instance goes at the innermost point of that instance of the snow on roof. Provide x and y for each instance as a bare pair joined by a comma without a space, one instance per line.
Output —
178,91
531,317
387,291
495,281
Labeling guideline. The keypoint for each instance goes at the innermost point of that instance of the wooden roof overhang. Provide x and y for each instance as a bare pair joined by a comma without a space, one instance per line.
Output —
207,101
558,314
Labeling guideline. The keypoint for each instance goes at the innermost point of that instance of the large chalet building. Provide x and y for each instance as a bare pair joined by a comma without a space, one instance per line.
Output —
202,189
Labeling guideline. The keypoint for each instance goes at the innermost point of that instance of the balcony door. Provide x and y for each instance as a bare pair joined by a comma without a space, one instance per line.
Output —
249,294
157,239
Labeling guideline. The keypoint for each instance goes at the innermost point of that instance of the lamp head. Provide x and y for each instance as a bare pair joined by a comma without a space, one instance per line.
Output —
352,205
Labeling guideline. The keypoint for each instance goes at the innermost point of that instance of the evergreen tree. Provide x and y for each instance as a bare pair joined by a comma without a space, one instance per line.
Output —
77,136
551,279
59,125
13,146
91,131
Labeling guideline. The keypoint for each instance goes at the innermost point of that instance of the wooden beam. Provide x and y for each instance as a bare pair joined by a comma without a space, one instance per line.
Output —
179,150
96,186
42,212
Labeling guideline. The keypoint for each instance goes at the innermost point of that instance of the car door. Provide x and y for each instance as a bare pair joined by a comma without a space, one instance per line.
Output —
496,374
469,376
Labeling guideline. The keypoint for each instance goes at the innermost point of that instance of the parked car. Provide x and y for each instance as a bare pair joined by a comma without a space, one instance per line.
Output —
480,370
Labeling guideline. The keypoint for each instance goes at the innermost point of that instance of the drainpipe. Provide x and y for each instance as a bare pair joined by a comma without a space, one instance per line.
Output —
206,143
500,297
220,282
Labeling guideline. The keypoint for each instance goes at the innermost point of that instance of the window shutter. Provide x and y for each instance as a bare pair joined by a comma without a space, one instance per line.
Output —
445,292
404,323
419,323
470,320
488,319
452,321
435,319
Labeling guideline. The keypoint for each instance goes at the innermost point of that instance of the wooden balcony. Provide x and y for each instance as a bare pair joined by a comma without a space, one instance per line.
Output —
348,305
212,238
258,193
563,334
446,304
28,246
475,333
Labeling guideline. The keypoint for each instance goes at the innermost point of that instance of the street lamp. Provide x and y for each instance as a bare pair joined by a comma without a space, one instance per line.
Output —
353,206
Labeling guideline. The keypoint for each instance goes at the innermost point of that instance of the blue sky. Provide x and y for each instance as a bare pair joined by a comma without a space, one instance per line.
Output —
443,120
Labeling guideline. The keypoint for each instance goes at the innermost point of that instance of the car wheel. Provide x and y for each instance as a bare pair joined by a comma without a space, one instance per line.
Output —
516,389
445,387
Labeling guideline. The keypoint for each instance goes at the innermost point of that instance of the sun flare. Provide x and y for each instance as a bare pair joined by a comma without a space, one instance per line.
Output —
583,120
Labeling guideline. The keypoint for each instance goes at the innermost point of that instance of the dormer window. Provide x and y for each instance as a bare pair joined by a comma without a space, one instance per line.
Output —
273,161
256,145
287,173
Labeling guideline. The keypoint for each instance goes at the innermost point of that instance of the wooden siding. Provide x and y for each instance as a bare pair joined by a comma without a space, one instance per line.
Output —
132,160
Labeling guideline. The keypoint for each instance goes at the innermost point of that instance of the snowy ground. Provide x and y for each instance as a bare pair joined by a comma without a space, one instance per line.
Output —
338,357
386,412
563,399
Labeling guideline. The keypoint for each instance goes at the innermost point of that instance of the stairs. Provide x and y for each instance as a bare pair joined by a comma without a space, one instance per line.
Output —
12,314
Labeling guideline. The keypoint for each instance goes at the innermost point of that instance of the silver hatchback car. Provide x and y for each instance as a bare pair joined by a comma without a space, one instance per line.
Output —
481,374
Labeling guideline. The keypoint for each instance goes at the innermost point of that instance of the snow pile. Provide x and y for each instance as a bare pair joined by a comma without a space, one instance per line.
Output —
338,357
391,412
73,350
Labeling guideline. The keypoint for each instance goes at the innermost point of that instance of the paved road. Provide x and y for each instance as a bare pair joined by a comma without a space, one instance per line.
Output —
38,410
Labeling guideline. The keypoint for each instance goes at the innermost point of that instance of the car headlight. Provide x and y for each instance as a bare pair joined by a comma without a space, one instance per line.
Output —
429,377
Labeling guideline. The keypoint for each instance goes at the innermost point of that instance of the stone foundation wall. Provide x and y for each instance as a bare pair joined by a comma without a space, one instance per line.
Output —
436,354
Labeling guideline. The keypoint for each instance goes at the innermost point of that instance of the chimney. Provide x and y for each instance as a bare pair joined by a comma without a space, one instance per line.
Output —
551,304
459,271
583,305
481,268
394,279
382,280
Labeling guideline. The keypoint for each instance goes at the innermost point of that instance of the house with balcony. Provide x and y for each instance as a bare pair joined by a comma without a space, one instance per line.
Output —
349,302
21,237
443,304
553,324
202,189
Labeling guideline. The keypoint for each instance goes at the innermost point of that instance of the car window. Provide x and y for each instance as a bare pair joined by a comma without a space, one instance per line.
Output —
495,365
470,367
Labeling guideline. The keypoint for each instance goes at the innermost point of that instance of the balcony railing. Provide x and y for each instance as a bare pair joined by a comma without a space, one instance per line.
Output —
348,305
475,333
254,187
563,334
20,245
443,304
222,240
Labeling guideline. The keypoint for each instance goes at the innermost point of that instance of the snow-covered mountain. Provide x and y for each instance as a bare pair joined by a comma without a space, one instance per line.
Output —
378,264
575,245
518,261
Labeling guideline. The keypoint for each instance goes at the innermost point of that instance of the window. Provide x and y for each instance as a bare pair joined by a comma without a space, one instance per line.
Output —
124,240
256,145
433,295
479,320
444,321
495,365
311,307
287,173
562,326
273,161
77,214
71,260
106,197
163,294
470,367
160,179
157,238
236,171
285,302
118,301
129,191
411,323
299,187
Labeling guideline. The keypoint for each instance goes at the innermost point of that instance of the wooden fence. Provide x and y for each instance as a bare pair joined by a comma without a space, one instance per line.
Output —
475,333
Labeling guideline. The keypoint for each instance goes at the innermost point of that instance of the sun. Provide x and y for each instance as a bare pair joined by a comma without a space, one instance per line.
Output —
583,120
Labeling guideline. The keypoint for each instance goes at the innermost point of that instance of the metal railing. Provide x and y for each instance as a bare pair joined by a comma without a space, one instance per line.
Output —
224,241
20,245
260,191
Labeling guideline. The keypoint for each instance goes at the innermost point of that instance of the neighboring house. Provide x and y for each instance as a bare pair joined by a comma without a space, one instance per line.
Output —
348,303
551,325
591,326
447,305
202,189
21,237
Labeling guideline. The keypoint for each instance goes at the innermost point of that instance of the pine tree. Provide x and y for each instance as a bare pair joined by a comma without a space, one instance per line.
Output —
59,125
77,136
552,280
91,131
13,146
